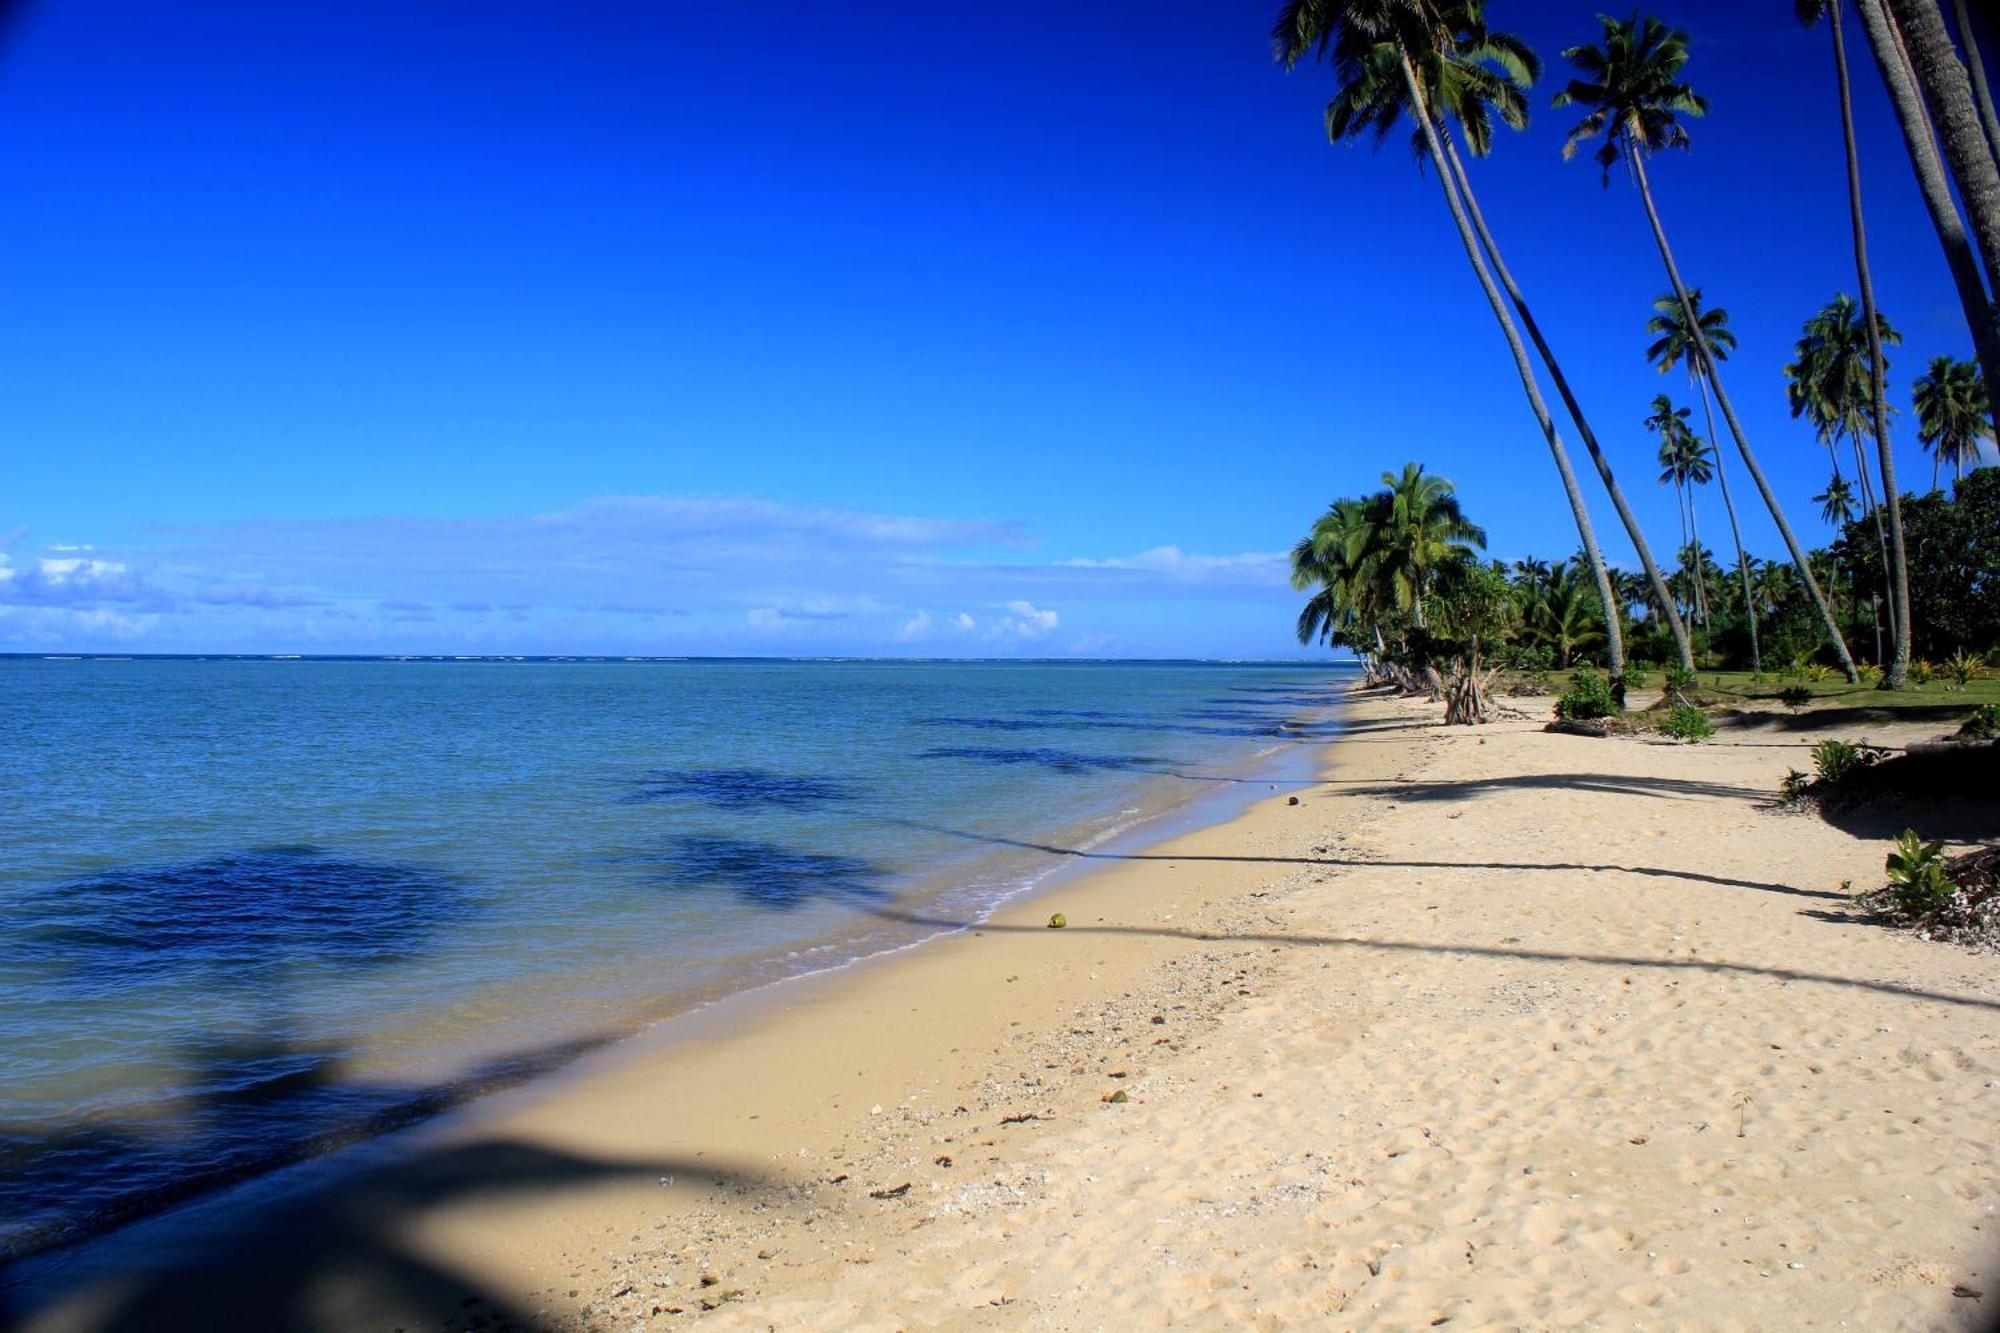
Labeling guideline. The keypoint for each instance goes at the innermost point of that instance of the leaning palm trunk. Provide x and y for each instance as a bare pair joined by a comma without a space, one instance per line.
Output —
1613,632
1736,535
1982,317
1976,66
1700,348
1949,95
1895,556
1682,644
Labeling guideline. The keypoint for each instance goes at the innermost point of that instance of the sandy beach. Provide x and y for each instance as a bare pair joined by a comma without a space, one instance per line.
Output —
1493,1028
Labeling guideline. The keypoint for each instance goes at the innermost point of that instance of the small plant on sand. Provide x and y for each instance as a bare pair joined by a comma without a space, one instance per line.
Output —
1983,725
1795,696
1685,722
1588,696
1795,787
1836,761
1917,883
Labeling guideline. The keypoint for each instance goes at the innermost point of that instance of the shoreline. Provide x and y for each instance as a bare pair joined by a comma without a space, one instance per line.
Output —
1496,1026
208,1216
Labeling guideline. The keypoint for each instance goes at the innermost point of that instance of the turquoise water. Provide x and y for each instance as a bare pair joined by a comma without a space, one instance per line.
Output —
258,907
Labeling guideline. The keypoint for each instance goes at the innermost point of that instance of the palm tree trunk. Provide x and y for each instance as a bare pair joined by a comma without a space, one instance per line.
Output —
1896,559
1700,348
1614,632
1736,535
1700,575
1682,643
1975,65
1982,316
1949,96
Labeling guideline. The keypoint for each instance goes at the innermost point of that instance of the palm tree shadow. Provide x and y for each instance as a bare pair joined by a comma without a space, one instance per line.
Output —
1086,854
339,1259
1364,944
1618,784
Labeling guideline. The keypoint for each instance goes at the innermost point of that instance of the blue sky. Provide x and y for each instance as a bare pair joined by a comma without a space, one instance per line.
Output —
607,326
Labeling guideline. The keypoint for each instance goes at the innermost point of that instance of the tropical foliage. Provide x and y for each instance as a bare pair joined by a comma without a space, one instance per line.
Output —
1396,575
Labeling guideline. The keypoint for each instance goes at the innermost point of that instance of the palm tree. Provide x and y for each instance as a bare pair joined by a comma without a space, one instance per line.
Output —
1336,561
1836,506
1475,76
1948,93
1418,528
1982,316
1674,345
1975,65
1836,503
1682,452
1355,32
1872,325
1634,99
1953,414
1828,382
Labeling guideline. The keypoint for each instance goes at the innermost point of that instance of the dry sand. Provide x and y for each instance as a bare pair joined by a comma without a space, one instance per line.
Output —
1496,1028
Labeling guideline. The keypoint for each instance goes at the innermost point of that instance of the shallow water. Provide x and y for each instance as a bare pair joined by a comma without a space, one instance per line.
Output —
256,907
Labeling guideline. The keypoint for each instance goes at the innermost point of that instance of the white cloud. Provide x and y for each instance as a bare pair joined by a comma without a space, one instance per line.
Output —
1255,567
678,574
1025,621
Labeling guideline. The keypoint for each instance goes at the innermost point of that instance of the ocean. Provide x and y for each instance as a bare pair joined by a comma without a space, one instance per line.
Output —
256,908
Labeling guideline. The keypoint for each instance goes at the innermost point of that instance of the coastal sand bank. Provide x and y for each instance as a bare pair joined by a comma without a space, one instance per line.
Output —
1495,1027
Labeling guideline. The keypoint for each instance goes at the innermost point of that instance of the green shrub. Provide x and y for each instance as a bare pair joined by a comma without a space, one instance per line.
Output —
1818,671
1795,787
1588,696
1917,881
1835,761
1983,725
1684,722
1922,672
1679,679
1636,678
1963,669
1870,674
1795,696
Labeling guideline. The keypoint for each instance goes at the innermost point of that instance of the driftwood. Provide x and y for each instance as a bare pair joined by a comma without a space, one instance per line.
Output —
1600,727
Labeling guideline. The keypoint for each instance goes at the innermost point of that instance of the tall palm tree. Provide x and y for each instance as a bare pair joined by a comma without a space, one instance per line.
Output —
1836,503
1831,385
1948,93
1418,528
1953,414
1353,32
1975,65
1897,676
1474,77
1634,99
1982,315
1682,454
1673,344
1836,506
1828,381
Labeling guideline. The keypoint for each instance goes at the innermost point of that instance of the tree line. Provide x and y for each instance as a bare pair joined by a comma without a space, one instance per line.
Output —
1437,65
